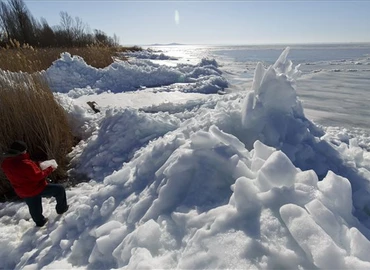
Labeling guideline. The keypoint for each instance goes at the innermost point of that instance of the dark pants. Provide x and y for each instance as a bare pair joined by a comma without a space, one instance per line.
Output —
35,205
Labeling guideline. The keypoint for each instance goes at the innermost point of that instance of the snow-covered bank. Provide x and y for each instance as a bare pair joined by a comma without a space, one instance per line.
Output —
238,181
122,76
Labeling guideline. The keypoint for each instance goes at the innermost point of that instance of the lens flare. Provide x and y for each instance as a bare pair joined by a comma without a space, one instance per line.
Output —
177,17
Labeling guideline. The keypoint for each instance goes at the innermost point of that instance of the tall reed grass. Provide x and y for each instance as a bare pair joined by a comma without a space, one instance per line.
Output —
29,112
29,59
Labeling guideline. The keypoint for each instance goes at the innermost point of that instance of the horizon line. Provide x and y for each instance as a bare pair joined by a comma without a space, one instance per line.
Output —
252,44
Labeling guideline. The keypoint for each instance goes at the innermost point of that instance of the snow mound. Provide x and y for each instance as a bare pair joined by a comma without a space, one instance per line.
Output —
273,114
122,76
82,122
120,133
206,201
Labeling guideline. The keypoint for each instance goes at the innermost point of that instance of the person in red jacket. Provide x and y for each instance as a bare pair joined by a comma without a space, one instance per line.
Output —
29,182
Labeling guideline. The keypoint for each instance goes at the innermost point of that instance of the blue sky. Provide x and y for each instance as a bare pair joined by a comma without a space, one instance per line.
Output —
218,22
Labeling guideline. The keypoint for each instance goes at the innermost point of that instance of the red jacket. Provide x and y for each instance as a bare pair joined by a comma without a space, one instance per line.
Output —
26,177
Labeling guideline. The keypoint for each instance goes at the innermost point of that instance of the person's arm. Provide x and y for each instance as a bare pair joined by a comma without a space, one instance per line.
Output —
33,172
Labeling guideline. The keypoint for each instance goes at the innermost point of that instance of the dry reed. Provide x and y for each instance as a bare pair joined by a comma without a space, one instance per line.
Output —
29,112
28,59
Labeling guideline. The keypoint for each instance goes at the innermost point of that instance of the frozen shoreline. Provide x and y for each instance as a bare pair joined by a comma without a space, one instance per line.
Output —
241,180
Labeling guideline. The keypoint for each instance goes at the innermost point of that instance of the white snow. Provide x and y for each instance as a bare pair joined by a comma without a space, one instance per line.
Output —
122,76
149,54
191,181
48,163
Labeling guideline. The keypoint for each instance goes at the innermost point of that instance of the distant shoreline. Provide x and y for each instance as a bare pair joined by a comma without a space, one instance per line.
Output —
333,44
168,44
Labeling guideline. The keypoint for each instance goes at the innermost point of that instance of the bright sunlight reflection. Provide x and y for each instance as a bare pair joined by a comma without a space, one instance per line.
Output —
177,17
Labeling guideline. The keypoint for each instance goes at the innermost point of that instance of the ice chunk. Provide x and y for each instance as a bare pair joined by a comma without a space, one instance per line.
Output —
108,206
312,238
106,228
227,139
257,164
327,220
262,151
259,73
64,244
242,169
248,116
57,234
281,63
107,241
272,113
337,195
307,177
202,140
145,236
276,93
245,195
360,245
277,171
141,259
105,244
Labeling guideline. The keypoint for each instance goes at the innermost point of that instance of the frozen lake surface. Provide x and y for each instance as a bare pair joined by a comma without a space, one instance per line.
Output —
335,82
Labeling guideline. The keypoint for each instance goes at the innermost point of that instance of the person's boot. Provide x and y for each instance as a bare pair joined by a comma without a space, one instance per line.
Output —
63,211
42,223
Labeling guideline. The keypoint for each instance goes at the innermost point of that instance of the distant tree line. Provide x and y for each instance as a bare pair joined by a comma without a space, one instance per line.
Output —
18,24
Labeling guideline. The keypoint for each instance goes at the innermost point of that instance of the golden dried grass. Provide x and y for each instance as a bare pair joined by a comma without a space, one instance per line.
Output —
29,112
28,59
